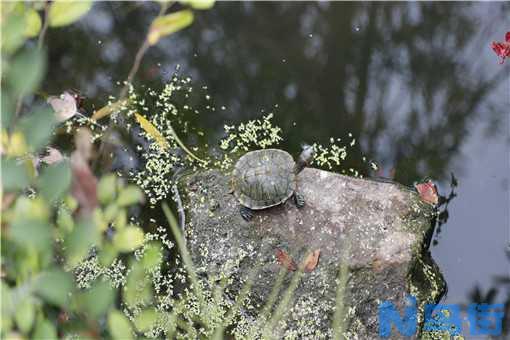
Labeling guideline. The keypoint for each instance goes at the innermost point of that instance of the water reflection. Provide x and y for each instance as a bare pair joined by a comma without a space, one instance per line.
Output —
411,81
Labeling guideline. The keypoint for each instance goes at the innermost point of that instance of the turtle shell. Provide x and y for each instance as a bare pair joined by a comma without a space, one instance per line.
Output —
264,178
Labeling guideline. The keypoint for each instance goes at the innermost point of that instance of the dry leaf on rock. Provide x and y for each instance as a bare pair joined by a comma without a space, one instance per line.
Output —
311,261
285,260
428,192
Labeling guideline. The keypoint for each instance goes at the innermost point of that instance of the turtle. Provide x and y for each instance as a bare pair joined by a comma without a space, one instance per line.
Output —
265,178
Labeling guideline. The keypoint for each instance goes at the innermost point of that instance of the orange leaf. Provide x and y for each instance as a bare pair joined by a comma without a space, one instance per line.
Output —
152,131
311,260
108,109
84,183
285,260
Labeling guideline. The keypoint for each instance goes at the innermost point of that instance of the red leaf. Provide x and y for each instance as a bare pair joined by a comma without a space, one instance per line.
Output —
428,192
312,260
84,183
502,49
285,260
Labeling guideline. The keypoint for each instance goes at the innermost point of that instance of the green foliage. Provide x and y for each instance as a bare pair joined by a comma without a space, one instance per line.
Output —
65,12
14,175
128,239
119,326
25,315
53,286
26,71
45,330
37,128
13,28
71,268
198,4
129,195
145,320
96,300
106,189
54,181
33,23
168,24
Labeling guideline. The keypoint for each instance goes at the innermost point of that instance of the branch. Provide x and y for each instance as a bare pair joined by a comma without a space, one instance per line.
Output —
139,56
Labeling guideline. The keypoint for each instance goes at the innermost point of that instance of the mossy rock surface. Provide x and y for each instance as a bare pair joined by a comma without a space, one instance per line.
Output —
379,231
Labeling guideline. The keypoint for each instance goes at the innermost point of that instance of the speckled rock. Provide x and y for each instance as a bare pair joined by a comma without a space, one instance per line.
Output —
378,231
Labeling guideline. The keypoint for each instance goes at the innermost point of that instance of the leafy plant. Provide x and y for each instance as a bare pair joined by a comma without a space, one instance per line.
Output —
75,260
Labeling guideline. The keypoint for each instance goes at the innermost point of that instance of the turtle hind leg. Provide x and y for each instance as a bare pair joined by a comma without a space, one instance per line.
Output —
246,213
299,200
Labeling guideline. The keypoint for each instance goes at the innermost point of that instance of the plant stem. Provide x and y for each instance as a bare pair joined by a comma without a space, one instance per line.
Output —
139,56
136,65
339,316
44,28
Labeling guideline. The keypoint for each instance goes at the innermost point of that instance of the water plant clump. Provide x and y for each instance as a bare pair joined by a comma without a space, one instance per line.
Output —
153,116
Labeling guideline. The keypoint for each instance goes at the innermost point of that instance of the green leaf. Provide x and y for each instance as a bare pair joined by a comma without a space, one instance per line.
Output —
107,255
13,30
44,330
31,209
26,71
8,305
94,302
7,110
199,4
54,286
65,12
120,220
14,175
25,315
106,188
128,239
55,180
111,212
37,128
138,290
129,195
145,320
168,24
65,220
33,233
79,242
100,221
119,326
6,325
33,23
152,256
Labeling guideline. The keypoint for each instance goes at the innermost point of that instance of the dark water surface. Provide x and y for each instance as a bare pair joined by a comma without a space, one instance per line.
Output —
417,84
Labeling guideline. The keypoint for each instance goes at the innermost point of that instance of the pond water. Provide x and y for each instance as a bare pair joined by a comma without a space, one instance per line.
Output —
417,85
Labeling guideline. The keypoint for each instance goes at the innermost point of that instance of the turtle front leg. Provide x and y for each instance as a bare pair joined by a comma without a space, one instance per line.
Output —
246,213
299,200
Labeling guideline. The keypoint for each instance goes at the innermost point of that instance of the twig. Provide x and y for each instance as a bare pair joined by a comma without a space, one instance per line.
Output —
136,65
341,289
139,56
180,208
186,257
44,28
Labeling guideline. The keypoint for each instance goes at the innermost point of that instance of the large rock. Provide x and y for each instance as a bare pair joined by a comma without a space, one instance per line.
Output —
378,231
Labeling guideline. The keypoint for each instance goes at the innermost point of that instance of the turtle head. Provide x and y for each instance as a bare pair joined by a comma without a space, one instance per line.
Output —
305,158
